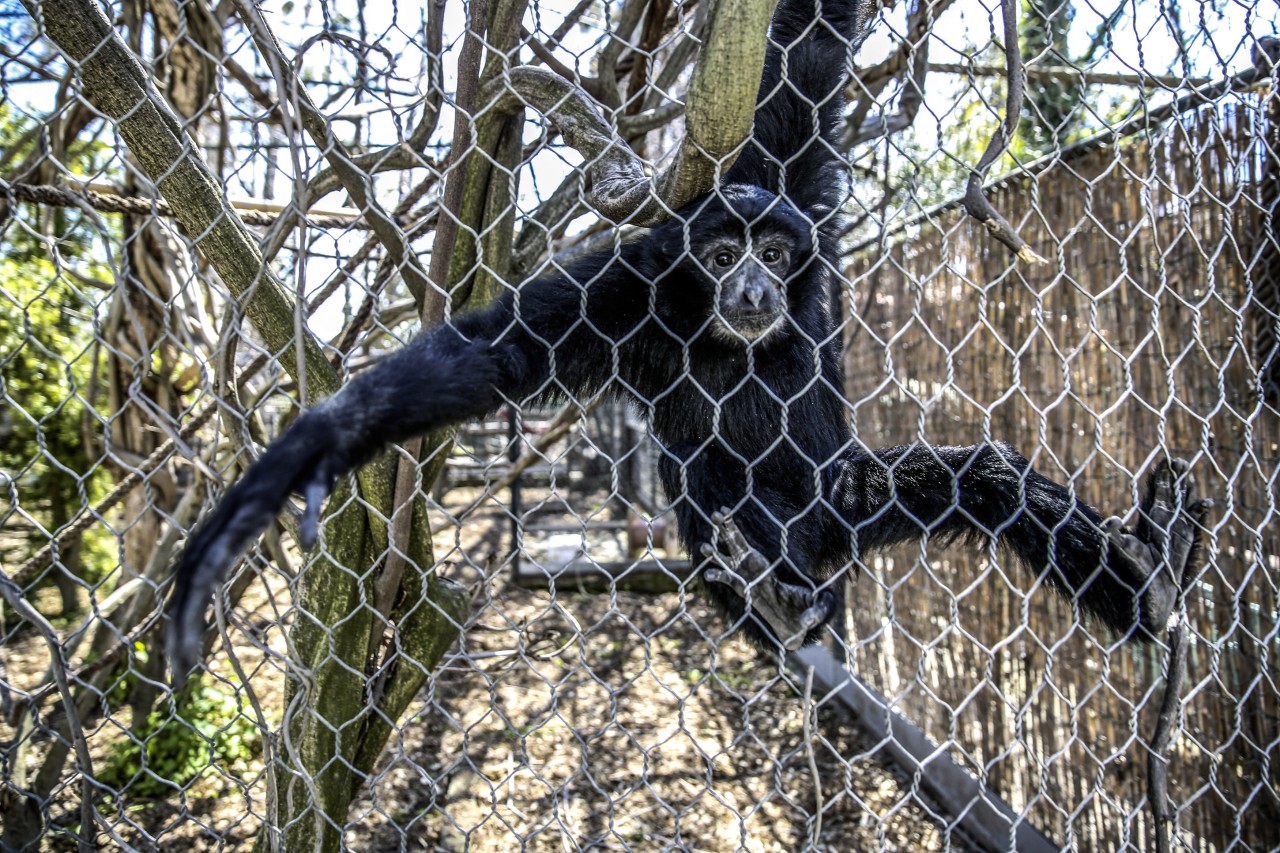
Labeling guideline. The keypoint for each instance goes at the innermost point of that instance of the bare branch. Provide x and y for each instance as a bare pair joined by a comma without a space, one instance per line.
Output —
652,32
455,170
407,154
1157,757
547,223
547,56
619,186
260,95
435,77
117,85
685,50
402,155
606,82
1070,74
720,109
551,218
915,49
356,182
569,21
632,126
911,58
13,596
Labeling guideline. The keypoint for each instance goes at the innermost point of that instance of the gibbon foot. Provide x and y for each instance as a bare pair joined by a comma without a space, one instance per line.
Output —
789,611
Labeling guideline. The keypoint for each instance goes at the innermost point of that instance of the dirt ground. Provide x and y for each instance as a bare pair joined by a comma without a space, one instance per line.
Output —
642,737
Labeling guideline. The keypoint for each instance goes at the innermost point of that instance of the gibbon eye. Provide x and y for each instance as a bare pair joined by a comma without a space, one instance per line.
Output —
771,255
724,259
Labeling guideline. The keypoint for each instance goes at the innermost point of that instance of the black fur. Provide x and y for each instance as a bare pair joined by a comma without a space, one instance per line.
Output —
757,425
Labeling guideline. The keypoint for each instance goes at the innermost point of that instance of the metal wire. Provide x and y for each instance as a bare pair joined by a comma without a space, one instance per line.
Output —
573,692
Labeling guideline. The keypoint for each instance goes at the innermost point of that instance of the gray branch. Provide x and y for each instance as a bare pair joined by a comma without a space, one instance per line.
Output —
619,185
911,62
975,201
13,596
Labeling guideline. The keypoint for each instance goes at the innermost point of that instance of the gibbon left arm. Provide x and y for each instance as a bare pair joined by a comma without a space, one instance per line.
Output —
1129,579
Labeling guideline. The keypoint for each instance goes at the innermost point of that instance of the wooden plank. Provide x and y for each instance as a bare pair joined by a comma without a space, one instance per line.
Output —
986,820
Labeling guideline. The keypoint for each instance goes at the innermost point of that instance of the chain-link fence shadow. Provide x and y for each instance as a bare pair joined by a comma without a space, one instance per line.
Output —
1054,225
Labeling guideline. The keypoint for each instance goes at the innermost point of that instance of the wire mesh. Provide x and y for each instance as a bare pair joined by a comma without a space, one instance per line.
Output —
499,641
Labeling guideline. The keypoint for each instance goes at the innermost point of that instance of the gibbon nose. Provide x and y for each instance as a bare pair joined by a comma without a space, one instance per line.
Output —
754,294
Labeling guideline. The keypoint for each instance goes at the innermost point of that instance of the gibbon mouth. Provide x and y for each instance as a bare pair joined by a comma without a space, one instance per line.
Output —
753,325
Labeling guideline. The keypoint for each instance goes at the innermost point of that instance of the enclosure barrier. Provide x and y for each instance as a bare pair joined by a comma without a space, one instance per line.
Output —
212,216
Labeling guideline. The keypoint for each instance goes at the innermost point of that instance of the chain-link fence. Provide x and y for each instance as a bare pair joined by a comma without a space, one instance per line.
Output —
213,215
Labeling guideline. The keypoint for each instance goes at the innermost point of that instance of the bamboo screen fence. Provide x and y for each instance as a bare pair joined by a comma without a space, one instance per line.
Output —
1140,337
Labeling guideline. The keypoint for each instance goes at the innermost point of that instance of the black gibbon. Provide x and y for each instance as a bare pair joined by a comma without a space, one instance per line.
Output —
720,325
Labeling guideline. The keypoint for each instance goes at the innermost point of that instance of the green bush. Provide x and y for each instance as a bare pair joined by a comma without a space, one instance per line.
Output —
205,731
47,370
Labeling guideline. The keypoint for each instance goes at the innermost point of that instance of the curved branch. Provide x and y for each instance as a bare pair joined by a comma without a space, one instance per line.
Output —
606,81
436,300
111,202
545,55
682,53
620,189
435,78
551,218
721,103
13,595
407,154
975,202
859,129
911,63
395,157
356,182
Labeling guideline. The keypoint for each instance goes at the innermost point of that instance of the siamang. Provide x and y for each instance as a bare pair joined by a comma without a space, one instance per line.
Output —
720,324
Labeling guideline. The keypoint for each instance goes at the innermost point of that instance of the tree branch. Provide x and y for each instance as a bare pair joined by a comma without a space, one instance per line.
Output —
117,85
356,182
455,169
619,186
401,155
719,112
13,596
605,85
975,201
721,103
912,57
685,50
407,154
1071,74
251,212
435,77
